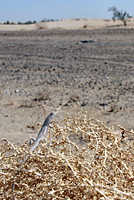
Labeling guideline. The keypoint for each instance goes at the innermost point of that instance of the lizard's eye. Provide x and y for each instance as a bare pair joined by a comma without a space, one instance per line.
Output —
52,113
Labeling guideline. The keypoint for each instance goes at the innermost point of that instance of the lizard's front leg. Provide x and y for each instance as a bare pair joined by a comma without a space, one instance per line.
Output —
31,141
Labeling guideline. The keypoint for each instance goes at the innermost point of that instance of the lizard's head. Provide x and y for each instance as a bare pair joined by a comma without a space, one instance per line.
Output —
52,114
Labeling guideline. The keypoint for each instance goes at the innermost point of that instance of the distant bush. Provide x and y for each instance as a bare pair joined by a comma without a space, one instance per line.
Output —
28,22
121,15
48,20
8,22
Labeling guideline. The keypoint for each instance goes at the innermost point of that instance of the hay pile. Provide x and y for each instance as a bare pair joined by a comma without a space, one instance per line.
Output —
80,159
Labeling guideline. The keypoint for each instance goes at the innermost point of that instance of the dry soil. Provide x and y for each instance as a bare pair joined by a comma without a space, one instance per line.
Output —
83,70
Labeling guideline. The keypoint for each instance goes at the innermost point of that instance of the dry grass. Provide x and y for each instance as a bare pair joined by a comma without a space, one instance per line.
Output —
102,168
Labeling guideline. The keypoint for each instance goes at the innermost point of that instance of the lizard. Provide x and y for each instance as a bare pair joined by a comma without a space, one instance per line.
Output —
40,137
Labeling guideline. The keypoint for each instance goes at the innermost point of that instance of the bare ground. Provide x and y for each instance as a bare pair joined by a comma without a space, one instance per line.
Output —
42,70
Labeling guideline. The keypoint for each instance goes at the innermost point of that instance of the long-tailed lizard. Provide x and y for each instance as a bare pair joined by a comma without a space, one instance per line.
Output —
40,136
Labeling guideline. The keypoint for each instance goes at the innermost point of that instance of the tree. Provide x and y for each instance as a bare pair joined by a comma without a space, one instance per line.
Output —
121,15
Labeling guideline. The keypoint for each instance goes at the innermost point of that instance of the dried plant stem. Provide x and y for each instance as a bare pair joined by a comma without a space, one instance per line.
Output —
98,166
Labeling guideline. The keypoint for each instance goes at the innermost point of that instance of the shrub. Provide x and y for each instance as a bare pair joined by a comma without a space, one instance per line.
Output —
28,22
81,158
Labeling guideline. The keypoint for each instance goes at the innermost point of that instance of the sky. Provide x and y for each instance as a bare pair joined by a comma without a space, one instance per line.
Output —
25,10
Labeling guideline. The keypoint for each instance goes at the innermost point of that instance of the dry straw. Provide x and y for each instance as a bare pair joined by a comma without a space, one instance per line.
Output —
81,158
